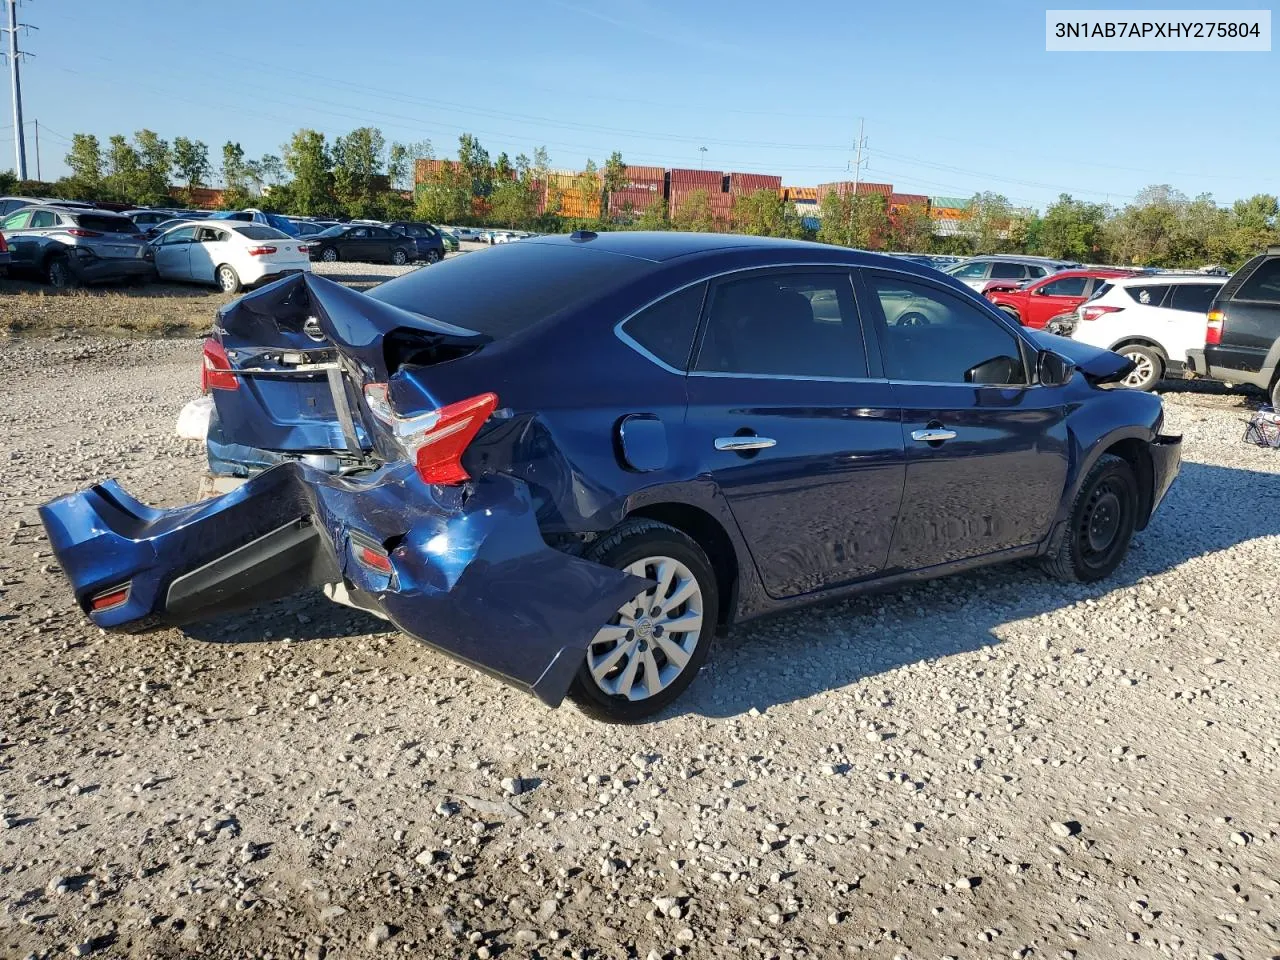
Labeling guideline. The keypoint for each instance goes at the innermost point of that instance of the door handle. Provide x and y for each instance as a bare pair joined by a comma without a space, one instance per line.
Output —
739,444
933,435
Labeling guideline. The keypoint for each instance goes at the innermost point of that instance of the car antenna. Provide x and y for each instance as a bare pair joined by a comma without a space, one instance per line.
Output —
582,236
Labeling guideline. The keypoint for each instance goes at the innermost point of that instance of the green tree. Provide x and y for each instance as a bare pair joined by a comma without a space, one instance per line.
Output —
854,220
763,213
1073,230
235,170
357,166
911,229
654,216
191,162
85,161
512,203
155,159
693,213
306,158
502,169
991,224
123,180
444,197
586,190
473,160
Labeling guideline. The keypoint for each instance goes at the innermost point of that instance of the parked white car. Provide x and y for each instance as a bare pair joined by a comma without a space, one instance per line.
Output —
1153,320
228,253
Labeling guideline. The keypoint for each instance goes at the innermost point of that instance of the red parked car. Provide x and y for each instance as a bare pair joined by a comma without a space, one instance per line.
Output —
1040,300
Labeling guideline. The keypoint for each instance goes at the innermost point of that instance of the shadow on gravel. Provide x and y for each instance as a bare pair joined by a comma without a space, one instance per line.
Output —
796,655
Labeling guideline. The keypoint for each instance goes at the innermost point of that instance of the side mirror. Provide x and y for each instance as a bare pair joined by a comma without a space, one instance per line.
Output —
1053,368
996,371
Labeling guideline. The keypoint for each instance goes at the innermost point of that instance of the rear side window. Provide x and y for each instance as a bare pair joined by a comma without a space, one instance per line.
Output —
1193,297
42,219
784,324
1008,271
1149,295
971,271
666,328
1104,287
1263,283
513,287
1037,272
95,221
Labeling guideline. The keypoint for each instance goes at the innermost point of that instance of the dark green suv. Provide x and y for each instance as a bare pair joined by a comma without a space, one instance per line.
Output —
1242,340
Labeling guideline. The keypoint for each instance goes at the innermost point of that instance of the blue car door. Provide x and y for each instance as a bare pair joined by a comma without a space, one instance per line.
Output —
986,447
804,445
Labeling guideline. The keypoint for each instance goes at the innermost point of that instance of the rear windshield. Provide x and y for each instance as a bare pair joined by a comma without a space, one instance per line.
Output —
502,291
256,231
96,221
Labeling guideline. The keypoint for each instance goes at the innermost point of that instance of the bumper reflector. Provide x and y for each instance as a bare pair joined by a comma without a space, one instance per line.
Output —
110,598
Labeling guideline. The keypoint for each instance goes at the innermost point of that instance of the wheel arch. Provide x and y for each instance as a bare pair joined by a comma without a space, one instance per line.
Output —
1137,453
709,534
1140,341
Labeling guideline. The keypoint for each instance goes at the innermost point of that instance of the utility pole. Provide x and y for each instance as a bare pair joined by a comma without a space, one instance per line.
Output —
36,124
857,163
15,82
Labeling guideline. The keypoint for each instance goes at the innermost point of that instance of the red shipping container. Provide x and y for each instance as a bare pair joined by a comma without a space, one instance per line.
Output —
645,173
751,182
864,188
702,178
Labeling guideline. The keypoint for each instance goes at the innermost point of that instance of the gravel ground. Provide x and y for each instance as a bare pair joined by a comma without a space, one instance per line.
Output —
993,765
166,308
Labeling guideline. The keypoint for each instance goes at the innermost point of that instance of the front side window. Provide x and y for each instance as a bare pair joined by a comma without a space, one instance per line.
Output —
1264,284
1065,287
666,328
180,235
970,271
360,233
784,324
1008,271
931,336
17,221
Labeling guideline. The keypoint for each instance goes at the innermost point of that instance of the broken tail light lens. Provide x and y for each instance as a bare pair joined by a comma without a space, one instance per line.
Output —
1093,313
109,598
260,251
1213,330
215,369
436,440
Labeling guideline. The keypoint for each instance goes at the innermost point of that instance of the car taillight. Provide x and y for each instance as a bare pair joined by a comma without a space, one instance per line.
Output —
215,369
260,251
1213,331
4,247
303,248
80,232
435,441
1093,313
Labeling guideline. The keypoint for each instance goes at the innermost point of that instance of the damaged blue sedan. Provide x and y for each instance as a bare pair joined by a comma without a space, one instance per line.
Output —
572,461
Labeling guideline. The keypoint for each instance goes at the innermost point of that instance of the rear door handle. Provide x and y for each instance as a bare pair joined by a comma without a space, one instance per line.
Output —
739,444
933,436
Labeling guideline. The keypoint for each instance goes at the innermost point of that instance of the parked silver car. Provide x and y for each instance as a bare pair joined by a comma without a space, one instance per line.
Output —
976,271
70,245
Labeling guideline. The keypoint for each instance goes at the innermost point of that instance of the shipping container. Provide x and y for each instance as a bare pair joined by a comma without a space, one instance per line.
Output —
865,188
800,194
751,182
951,203
710,179
908,200
645,173
573,207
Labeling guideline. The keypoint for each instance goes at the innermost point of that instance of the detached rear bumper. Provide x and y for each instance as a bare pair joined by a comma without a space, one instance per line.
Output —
470,576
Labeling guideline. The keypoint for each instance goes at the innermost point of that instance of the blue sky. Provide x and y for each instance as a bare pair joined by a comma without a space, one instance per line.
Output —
956,97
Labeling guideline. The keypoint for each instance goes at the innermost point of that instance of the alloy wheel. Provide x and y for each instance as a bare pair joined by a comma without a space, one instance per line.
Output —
329,255
650,640
1143,372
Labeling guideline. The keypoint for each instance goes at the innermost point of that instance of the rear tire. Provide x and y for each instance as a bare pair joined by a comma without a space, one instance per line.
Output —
58,272
329,255
636,633
1149,369
228,279
399,257
1101,524
433,256
1275,395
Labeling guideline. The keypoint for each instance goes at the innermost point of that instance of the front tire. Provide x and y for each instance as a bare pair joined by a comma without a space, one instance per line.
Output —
1100,527
228,279
1148,366
652,648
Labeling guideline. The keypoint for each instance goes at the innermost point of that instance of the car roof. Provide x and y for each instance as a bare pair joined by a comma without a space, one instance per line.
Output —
668,245
61,208
1018,258
1108,272
1159,279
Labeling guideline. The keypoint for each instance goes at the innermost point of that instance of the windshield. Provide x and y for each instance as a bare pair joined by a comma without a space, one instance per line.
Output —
504,291
256,231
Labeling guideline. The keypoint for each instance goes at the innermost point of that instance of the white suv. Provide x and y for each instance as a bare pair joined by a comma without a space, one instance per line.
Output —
1153,320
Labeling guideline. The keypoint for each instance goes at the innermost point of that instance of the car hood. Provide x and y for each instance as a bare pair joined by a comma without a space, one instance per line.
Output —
1097,365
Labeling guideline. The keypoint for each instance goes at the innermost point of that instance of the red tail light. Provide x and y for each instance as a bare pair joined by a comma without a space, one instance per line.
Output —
80,232
109,598
1093,313
303,248
260,251
215,369
4,247
435,440
1213,332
